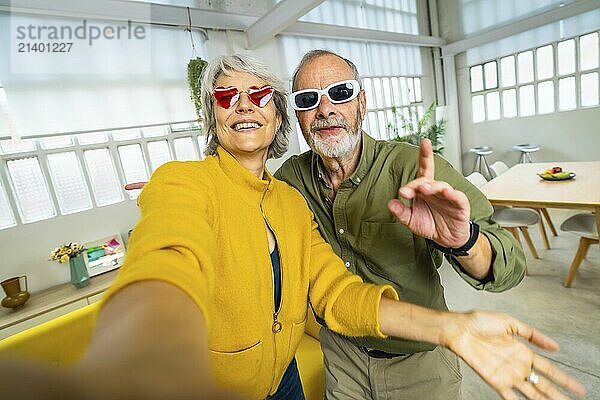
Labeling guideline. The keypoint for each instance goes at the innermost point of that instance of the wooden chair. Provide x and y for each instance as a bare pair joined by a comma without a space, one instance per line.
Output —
498,168
584,226
512,219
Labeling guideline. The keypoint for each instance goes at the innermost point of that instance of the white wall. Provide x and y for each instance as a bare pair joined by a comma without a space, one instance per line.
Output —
25,249
562,136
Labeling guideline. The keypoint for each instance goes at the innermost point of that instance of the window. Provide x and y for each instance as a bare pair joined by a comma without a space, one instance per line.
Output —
73,173
554,77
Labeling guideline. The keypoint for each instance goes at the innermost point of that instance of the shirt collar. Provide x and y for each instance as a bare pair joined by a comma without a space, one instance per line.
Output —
247,182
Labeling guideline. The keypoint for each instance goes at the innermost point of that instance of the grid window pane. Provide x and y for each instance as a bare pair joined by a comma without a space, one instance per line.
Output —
397,97
56,142
17,146
491,75
588,51
378,93
31,190
387,92
545,93
126,134
566,57
411,90
566,93
103,177
69,184
7,218
202,142
134,166
404,90
155,131
373,127
545,62
589,89
526,101
159,153
492,101
184,149
525,66
509,103
382,122
92,138
476,78
478,105
507,70
418,92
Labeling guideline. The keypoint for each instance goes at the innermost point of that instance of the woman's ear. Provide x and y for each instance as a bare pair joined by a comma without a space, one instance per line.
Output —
279,122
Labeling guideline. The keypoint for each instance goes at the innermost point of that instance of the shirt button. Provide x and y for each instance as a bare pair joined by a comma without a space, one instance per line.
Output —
347,264
358,180
341,231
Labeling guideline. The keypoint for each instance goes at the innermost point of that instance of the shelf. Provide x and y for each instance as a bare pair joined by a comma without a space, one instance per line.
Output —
53,298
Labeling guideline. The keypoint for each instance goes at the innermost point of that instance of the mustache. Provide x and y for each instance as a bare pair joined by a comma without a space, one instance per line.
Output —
338,122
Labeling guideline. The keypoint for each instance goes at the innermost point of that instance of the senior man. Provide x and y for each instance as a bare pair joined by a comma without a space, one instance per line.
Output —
358,189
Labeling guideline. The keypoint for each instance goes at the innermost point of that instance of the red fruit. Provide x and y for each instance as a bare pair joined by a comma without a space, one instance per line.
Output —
556,170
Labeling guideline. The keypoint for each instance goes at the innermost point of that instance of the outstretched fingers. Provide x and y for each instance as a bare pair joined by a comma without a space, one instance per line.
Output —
426,162
534,336
550,374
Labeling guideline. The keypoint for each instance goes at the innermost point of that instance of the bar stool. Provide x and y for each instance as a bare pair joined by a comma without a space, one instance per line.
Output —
481,164
526,149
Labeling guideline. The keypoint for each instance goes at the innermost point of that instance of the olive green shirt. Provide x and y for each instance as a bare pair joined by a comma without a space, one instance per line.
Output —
365,235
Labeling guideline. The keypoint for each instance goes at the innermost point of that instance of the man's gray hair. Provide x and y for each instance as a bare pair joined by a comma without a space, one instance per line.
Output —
243,63
311,55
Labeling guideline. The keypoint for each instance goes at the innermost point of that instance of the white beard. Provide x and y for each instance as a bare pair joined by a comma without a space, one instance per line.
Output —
334,147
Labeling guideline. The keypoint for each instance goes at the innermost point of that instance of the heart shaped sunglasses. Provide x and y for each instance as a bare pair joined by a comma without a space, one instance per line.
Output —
228,96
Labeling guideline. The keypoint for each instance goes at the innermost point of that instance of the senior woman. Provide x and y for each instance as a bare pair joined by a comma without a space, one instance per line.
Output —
226,260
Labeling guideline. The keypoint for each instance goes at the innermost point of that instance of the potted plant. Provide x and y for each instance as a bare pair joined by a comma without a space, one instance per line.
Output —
72,253
195,68
416,129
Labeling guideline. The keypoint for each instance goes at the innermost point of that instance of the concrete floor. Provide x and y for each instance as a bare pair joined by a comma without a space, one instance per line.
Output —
571,316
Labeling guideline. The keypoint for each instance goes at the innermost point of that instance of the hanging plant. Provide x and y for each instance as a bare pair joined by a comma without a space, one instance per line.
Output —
195,68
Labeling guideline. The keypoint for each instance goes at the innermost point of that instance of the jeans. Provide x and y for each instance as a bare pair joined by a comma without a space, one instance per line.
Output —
290,387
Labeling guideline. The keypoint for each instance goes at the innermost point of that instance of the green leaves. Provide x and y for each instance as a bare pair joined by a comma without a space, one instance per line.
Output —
415,129
195,68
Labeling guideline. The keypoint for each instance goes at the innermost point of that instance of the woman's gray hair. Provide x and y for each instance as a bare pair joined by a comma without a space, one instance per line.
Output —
243,63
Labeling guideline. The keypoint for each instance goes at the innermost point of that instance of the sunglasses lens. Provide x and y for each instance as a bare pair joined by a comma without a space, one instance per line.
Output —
260,96
306,100
226,97
341,92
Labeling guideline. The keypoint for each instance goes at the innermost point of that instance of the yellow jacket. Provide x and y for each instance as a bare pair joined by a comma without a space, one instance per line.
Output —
202,228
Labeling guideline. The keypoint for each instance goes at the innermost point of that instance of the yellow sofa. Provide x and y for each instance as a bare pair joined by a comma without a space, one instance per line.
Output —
63,341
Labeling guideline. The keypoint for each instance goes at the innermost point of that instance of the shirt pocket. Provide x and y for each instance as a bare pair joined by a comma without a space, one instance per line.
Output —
388,249
237,370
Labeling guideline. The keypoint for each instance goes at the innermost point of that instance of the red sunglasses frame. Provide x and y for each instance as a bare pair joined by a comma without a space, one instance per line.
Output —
226,97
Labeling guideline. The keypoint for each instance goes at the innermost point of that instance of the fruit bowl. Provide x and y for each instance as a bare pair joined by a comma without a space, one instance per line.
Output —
558,176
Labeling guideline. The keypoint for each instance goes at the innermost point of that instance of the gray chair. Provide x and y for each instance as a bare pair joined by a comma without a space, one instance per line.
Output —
481,164
526,149
584,226
512,219
498,168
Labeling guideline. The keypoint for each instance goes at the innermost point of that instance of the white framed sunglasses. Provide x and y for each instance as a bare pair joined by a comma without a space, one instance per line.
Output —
337,92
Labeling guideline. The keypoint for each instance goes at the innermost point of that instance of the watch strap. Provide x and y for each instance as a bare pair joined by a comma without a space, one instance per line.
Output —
464,249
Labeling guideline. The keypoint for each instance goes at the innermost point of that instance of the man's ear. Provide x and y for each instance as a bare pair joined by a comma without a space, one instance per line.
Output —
362,101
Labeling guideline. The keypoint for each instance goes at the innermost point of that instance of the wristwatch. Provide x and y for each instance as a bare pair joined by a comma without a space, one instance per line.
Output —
464,249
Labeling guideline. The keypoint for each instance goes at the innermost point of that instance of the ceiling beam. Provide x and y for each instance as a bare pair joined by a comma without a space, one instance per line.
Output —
176,16
366,35
277,19
523,25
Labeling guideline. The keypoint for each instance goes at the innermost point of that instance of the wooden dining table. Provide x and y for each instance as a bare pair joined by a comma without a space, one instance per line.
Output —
521,186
